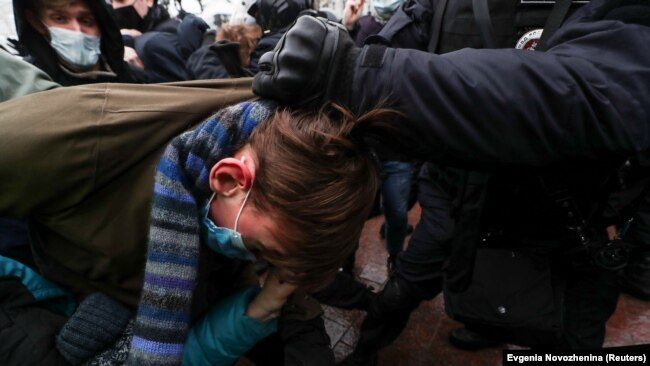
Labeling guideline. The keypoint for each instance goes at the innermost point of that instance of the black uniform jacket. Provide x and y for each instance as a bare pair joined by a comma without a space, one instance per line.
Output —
585,99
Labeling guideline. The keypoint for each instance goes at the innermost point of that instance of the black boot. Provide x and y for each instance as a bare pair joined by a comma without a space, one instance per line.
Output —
387,316
346,292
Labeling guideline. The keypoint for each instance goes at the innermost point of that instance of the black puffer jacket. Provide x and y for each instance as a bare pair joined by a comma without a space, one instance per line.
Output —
165,54
44,57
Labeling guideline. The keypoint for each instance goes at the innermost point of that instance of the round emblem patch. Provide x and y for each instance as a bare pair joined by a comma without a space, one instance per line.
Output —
529,40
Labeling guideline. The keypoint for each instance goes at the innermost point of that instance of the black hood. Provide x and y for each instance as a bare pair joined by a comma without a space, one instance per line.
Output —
43,56
158,17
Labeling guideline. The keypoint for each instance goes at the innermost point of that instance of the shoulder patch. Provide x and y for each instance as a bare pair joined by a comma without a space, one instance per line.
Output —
529,40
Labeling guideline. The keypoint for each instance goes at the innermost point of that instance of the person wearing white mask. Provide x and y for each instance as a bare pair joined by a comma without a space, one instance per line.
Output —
362,26
73,41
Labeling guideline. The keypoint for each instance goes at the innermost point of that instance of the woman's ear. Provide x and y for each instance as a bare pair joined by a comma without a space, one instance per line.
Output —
230,175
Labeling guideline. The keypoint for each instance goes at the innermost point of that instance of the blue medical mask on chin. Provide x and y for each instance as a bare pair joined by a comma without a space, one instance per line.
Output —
76,48
223,240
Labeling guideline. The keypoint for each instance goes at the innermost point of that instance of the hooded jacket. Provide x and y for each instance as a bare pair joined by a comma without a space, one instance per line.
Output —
43,56
165,54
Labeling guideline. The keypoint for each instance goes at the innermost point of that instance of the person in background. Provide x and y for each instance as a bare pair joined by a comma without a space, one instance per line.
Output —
159,46
226,57
363,26
73,41
230,54
246,35
135,17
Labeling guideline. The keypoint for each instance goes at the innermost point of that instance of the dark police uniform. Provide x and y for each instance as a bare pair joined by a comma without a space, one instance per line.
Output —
452,104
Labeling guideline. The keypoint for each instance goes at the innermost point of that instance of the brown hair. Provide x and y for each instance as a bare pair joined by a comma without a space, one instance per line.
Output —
246,35
318,181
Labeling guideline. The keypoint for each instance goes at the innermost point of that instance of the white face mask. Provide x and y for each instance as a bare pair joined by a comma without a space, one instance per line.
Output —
76,48
386,8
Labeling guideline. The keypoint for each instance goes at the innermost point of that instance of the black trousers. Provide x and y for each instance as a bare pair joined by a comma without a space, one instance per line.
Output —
297,343
590,296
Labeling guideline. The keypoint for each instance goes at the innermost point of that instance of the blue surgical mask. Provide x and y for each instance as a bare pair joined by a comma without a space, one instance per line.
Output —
386,8
77,48
223,240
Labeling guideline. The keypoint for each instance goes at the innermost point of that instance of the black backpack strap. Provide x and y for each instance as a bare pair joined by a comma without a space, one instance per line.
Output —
484,22
436,26
553,22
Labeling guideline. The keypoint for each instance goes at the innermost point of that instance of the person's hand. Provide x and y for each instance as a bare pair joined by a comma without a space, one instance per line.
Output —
268,303
352,12
313,62
131,32
131,57
612,232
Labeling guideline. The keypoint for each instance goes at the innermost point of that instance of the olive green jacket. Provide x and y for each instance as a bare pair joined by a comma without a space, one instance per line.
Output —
79,162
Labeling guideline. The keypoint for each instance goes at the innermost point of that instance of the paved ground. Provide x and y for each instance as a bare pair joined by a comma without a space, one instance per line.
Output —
424,342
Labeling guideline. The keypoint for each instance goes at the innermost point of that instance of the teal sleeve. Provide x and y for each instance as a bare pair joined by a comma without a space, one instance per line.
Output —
59,300
18,78
226,332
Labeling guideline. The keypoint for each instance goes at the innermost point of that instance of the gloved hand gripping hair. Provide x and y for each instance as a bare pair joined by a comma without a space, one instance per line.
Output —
313,63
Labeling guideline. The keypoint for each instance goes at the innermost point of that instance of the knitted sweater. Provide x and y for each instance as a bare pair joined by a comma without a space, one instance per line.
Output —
181,187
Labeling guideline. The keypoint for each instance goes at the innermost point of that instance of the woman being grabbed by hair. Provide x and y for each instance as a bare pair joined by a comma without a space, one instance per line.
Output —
252,183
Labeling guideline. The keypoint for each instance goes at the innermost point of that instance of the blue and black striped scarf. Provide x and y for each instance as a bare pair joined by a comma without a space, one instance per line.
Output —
181,187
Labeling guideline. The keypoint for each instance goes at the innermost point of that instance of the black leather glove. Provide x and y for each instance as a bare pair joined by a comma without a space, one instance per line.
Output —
312,63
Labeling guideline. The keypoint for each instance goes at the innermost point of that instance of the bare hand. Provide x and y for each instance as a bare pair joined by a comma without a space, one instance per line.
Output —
131,57
612,232
352,12
267,304
131,32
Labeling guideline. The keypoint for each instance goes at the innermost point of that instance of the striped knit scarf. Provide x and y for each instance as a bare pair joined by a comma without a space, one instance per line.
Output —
181,186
